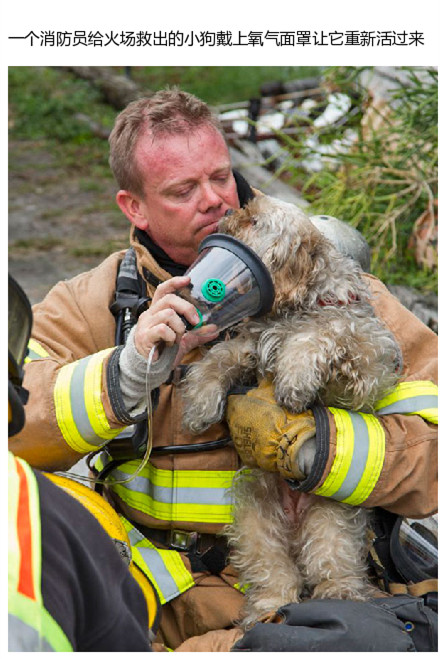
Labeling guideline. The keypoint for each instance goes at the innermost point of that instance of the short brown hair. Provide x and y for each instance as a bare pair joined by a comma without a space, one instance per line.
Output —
167,112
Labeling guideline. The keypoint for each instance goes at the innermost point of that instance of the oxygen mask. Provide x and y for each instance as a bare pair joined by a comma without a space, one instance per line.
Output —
229,283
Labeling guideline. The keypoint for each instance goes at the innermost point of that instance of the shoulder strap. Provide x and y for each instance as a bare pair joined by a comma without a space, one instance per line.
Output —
130,296
130,286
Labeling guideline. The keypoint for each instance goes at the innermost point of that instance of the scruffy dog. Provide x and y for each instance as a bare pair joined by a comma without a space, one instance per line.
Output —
321,342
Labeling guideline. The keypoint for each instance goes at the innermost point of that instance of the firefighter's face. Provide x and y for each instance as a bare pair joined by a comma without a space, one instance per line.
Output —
188,187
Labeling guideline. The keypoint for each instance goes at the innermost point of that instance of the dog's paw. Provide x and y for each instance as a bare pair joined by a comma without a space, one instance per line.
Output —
290,401
261,609
343,589
190,424
195,427
289,392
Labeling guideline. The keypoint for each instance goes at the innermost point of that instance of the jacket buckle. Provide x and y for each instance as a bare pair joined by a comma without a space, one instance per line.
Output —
182,540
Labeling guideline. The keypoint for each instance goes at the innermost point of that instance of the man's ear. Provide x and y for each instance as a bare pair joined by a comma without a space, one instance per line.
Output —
132,208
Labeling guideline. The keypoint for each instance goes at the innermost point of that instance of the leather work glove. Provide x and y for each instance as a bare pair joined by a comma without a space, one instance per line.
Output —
267,435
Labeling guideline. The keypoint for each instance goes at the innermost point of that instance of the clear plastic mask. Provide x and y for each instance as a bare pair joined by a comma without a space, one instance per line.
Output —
229,282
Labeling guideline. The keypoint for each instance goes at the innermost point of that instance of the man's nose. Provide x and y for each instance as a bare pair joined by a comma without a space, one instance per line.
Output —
209,198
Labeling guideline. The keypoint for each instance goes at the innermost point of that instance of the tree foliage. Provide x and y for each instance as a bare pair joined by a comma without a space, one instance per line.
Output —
385,184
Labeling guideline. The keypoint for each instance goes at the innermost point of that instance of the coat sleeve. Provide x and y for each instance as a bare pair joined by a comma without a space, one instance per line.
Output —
85,585
69,413
386,459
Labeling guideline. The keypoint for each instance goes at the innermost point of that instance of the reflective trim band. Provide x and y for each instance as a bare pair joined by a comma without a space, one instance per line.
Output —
24,638
30,627
35,351
360,453
78,405
242,588
164,567
418,397
172,495
24,529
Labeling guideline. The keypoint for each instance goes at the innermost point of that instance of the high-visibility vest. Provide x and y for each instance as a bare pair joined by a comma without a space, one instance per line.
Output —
31,628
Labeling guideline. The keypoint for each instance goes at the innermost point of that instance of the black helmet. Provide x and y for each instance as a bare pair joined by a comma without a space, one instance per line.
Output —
19,331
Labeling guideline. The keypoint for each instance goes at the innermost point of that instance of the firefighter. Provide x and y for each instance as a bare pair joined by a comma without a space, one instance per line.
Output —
68,589
91,345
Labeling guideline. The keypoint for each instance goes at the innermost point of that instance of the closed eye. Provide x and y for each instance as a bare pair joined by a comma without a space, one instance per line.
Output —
185,192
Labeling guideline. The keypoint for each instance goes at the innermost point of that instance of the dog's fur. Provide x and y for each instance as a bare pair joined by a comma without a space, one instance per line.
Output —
320,343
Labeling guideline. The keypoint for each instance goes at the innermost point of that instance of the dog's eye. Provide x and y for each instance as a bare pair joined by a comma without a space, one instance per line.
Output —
253,220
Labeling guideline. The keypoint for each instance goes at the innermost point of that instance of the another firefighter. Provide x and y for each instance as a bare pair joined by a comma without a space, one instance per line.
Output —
68,587
174,172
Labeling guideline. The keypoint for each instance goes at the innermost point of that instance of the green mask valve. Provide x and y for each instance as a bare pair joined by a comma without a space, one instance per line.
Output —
214,290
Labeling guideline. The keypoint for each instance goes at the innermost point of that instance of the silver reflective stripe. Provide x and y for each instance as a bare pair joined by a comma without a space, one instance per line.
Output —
23,638
78,403
32,355
215,496
156,565
359,458
410,405
125,434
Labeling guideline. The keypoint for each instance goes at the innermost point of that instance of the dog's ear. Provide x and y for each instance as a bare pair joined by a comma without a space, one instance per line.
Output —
280,251
317,273
300,263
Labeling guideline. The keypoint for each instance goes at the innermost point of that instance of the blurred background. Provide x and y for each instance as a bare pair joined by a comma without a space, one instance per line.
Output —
356,143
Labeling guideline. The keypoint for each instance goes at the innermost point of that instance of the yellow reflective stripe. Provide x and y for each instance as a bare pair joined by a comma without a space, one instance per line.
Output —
182,478
242,588
430,415
164,567
407,390
360,452
35,351
419,397
92,395
343,455
78,406
173,495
